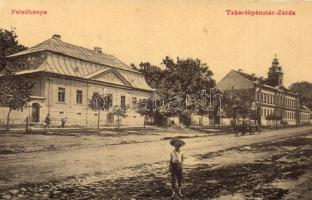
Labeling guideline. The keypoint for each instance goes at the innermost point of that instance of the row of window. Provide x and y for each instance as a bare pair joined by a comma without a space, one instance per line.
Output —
266,98
269,98
289,115
266,112
290,103
79,97
61,95
305,117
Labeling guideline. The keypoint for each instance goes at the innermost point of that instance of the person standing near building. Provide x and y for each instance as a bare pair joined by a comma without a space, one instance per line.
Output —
176,167
48,120
63,121
27,124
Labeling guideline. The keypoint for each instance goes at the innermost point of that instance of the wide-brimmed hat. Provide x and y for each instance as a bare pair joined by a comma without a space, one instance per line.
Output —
177,141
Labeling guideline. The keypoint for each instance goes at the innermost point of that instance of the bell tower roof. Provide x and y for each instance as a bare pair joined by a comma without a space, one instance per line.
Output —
275,61
275,74
275,68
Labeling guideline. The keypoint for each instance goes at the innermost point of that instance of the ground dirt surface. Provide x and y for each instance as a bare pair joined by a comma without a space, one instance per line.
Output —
275,164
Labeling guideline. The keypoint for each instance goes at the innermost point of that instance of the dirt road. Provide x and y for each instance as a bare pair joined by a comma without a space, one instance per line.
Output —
112,162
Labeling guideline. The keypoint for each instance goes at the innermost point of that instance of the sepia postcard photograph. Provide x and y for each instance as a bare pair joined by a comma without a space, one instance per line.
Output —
155,100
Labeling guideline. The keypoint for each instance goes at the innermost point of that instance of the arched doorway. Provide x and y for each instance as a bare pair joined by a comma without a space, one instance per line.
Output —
35,112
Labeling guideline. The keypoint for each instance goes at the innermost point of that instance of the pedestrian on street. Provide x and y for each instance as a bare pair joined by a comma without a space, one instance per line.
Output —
63,121
27,124
176,167
47,121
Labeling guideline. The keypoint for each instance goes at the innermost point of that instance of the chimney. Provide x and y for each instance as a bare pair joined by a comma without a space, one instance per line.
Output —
240,70
253,76
56,37
98,49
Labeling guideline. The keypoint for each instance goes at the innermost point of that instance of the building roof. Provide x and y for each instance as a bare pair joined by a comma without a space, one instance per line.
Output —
251,77
57,57
263,82
304,107
58,46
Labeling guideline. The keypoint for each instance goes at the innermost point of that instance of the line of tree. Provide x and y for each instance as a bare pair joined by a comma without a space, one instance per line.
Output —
190,77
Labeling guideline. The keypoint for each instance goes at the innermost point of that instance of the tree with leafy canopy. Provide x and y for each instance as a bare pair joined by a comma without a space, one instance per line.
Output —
154,108
178,85
274,117
15,92
8,45
153,73
304,88
238,103
97,103
120,113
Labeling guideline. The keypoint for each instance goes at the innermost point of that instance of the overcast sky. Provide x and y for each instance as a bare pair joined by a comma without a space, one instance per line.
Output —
139,30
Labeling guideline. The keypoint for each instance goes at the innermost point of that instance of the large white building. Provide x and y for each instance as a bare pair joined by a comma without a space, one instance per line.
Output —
270,96
66,77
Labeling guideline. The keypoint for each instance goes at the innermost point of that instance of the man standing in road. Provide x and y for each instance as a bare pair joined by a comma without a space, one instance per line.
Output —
176,167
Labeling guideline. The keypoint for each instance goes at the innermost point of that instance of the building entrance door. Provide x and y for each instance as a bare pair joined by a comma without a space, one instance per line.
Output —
35,113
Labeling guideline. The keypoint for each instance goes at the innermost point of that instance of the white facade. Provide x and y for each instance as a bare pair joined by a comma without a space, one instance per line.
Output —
67,76
269,100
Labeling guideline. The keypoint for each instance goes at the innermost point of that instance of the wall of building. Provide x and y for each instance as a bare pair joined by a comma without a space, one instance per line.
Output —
16,116
78,113
82,114
199,120
273,101
269,100
305,118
